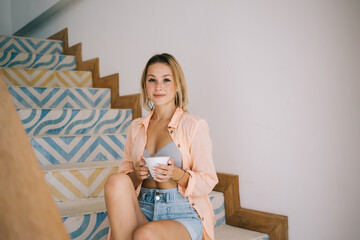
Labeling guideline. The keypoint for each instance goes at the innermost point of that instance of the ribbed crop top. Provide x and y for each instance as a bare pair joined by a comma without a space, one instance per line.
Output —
169,149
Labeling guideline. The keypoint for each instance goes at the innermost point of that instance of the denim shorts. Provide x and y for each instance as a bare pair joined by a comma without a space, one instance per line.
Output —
169,204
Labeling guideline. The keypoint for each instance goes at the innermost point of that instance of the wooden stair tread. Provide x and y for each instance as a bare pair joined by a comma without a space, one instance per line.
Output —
82,165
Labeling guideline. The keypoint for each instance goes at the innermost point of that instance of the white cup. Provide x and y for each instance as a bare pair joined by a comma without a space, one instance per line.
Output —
153,161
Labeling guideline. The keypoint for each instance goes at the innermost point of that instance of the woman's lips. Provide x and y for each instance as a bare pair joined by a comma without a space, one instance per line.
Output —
159,95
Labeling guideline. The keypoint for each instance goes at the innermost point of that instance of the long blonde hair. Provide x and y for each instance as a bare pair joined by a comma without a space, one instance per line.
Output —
181,97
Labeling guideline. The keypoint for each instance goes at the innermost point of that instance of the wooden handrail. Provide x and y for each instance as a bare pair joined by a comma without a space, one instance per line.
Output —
27,208
111,81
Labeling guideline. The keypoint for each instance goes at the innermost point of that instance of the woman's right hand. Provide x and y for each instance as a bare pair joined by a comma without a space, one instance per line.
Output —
141,171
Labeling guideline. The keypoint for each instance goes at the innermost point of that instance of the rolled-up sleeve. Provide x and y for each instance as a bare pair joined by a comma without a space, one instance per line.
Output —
203,176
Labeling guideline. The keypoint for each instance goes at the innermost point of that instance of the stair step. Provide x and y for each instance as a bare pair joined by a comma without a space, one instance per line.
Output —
227,232
30,45
218,204
37,61
40,122
89,226
87,218
77,149
46,78
75,181
81,207
44,97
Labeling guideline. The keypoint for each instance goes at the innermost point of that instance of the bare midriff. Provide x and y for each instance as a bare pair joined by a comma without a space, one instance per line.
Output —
150,183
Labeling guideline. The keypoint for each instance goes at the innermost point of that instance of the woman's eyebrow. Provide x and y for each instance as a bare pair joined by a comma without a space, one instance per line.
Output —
166,75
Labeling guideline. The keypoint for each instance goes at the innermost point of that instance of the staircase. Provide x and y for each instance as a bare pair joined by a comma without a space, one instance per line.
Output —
76,136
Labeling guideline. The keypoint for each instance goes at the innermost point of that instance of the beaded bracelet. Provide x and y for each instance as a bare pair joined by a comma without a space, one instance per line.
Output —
181,177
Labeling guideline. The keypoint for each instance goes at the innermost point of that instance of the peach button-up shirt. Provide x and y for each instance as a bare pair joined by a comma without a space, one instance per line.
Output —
191,134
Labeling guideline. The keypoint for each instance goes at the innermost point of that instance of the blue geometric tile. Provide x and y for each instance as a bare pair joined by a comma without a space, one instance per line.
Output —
74,121
89,226
30,45
72,149
37,61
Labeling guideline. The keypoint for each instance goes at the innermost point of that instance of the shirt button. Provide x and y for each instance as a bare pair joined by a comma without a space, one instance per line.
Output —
157,198
178,145
202,219
171,131
192,204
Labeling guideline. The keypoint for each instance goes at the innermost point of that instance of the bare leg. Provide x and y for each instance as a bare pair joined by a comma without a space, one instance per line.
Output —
162,230
123,208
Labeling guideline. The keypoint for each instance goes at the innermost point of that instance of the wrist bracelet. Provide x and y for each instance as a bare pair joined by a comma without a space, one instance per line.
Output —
181,177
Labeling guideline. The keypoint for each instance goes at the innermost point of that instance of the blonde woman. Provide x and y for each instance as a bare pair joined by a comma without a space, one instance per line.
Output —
174,204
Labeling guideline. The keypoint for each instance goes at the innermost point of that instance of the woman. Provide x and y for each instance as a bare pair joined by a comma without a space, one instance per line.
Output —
175,204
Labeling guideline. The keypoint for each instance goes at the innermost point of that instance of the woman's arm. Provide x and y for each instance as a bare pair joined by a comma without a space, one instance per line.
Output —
181,176
127,165
201,178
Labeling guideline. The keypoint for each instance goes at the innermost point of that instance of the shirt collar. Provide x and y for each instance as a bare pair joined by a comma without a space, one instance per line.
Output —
174,122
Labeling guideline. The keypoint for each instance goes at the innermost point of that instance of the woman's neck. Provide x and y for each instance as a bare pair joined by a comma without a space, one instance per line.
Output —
163,113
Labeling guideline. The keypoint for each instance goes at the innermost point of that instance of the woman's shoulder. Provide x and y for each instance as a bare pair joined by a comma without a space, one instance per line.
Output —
135,124
192,119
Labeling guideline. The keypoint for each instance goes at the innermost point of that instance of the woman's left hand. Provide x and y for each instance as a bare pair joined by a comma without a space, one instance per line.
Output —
164,172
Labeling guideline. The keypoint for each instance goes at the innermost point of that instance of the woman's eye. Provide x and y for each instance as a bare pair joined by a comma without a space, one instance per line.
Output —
167,80
151,80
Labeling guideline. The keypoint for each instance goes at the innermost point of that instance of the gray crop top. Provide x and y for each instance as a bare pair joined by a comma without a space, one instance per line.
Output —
169,149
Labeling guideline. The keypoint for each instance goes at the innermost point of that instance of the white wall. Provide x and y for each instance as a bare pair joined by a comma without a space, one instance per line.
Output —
5,17
277,80
25,11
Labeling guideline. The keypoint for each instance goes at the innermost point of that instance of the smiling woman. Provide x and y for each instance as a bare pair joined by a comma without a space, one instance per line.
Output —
174,203
160,85
172,73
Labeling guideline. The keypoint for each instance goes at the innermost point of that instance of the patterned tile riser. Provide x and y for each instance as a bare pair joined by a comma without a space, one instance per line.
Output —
41,46
72,185
40,122
38,61
42,97
77,149
218,204
96,226
46,78
89,226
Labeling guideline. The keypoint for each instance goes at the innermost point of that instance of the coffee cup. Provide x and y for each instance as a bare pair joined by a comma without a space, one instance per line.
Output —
151,162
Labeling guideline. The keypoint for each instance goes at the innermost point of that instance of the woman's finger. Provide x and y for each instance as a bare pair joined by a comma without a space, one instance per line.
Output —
142,162
144,173
161,178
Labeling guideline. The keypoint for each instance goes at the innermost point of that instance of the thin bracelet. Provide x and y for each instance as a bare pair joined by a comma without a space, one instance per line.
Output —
181,177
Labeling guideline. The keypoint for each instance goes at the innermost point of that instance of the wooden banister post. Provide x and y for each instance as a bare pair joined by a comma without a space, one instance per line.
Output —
26,206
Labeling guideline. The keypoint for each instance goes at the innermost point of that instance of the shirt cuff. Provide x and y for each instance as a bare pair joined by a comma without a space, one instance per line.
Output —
191,184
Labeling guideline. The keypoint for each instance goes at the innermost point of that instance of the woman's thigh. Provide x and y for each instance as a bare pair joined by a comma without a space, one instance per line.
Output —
162,230
121,200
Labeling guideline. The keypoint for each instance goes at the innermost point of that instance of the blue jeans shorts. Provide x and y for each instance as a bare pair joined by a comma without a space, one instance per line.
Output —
169,204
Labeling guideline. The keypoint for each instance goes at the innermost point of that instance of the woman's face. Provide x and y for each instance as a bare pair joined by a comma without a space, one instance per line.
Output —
160,85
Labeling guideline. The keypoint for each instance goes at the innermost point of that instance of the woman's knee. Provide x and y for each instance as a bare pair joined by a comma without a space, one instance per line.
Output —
144,232
119,181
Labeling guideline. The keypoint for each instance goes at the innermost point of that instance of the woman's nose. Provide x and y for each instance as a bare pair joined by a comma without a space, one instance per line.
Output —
158,85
